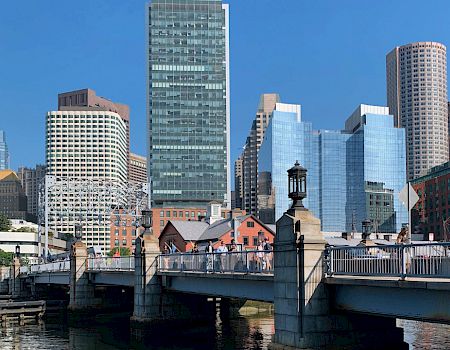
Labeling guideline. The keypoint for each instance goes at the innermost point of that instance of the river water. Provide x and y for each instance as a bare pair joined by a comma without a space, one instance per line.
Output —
249,332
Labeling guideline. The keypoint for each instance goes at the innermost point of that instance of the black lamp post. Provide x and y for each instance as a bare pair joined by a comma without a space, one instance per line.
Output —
297,185
366,229
146,220
78,232
17,251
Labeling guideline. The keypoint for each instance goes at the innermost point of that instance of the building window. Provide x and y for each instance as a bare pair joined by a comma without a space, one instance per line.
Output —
168,214
116,232
116,242
124,232
124,242
174,214
255,241
250,224
186,214
180,214
133,242
161,214
245,240
192,214
161,223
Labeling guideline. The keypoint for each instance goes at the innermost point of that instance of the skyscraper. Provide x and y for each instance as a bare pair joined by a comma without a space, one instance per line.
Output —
188,102
30,179
85,143
238,182
249,155
353,174
137,173
4,154
416,79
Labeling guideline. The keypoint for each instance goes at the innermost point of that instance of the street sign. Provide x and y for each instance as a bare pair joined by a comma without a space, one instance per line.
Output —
410,197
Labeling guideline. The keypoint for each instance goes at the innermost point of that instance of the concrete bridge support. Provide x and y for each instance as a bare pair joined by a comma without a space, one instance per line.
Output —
82,298
304,318
15,284
153,304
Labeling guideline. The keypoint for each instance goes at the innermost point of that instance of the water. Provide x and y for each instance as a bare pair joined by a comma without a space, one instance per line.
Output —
243,333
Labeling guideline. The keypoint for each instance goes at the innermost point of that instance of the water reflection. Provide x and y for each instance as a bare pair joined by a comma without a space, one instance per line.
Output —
250,332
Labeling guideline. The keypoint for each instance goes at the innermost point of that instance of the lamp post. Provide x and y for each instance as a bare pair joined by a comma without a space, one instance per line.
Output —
17,251
146,221
366,229
78,232
297,186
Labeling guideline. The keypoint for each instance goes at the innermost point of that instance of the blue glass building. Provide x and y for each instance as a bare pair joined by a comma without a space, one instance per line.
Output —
353,174
4,154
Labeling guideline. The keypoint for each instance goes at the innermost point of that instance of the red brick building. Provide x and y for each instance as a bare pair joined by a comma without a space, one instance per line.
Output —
246,230
433,208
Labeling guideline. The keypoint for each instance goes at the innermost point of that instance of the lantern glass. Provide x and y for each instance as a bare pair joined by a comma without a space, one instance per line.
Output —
17,251
78,232
146,218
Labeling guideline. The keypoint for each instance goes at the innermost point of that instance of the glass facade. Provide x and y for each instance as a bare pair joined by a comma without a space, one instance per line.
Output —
4,154
188,102
352,175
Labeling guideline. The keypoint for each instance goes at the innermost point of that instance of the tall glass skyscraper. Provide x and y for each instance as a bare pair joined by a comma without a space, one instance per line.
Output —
188,102
354,174
4,154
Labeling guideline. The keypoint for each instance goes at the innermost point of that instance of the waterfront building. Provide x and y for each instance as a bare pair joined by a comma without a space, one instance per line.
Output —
137,172
4,153
25,234
432,212
188,102
85,143
13,202
416,80
249,155
246,230
31,178
353,174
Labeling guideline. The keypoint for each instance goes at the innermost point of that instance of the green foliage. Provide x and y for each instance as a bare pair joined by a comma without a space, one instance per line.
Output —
124,251
5,258
5,223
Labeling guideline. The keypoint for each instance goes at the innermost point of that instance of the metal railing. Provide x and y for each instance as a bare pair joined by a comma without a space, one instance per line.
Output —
116,263
50,267
230,262
414,260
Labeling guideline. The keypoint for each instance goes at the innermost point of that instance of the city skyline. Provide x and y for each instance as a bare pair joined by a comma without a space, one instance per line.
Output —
306,78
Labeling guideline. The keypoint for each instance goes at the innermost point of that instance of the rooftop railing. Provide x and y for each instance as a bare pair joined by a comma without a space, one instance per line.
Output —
402,260
255,262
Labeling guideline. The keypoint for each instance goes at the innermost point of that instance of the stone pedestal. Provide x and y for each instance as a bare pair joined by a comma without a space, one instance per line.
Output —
147,286
14,280
303,317
82,299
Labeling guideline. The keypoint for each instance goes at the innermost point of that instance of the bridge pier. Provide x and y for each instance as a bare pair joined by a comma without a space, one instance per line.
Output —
15,284
304,318
82,298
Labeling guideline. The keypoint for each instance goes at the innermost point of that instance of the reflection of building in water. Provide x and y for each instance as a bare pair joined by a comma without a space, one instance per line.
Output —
380,206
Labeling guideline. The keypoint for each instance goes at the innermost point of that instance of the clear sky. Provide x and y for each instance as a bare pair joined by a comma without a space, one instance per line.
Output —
328,56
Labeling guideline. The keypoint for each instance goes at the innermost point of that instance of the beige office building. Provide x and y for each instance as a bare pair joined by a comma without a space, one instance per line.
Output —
137,172
84,145
416,79
249,172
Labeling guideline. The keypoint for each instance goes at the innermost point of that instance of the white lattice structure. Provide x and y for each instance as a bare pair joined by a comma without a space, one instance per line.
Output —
94,203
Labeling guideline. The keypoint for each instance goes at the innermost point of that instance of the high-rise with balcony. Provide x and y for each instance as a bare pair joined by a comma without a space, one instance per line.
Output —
249,155
4,154
85,143
416,79
188,102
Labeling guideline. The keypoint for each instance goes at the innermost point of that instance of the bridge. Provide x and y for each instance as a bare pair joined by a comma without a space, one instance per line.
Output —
317,290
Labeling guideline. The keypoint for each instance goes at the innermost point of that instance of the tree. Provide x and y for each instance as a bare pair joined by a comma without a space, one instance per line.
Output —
5,223
124,251
5,258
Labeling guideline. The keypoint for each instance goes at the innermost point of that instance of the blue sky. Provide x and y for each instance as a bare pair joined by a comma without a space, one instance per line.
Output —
328,56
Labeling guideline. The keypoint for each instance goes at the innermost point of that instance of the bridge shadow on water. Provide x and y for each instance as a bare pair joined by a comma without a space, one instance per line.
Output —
114,332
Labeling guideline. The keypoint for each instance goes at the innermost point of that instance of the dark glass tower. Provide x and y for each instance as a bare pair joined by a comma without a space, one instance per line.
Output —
188,102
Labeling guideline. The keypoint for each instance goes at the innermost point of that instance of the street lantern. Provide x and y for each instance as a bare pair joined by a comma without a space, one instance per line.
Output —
297,185
366,229
78,232
17,251
146,220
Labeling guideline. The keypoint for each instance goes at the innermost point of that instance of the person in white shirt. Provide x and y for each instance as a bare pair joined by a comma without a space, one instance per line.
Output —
222,257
